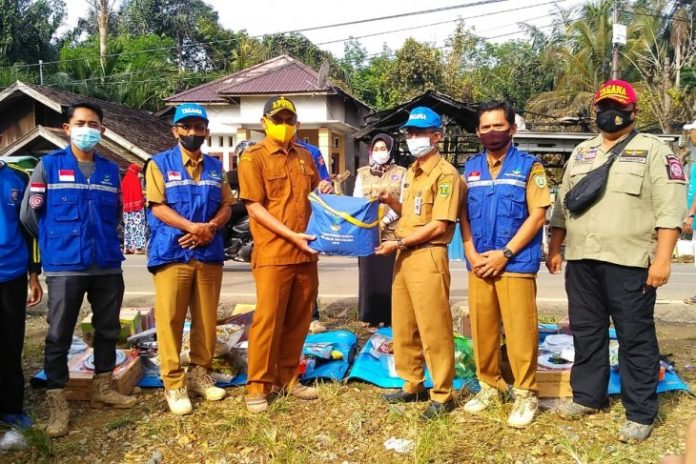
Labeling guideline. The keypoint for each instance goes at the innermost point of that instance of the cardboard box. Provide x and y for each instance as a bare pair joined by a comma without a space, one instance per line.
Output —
551,383
554,383
131,324
147,316
79,386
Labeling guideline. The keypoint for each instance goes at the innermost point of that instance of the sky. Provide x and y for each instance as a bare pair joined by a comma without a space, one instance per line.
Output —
500,21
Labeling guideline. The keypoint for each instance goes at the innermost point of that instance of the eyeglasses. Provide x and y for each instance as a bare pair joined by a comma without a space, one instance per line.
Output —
411,133
290,120
196,128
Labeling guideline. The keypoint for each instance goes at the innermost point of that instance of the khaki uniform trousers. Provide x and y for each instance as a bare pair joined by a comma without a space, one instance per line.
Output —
179,287
285,297
422,321
512,301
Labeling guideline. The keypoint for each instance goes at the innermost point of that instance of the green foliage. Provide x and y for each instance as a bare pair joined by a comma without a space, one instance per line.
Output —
27,29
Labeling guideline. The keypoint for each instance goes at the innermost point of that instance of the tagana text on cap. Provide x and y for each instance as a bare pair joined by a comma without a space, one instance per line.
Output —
189,110
617,90
277,104
423,118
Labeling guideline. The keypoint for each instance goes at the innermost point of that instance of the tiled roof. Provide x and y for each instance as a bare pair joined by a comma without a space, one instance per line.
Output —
138,127
281,74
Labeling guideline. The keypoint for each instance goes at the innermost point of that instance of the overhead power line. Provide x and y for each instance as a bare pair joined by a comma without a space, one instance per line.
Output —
293,31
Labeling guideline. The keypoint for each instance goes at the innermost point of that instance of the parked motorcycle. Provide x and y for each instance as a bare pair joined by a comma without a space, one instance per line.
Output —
239,244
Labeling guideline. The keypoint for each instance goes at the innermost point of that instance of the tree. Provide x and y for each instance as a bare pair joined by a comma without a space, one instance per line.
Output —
27,30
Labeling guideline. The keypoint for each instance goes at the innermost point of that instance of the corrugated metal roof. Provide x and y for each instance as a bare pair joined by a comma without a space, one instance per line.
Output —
139,127
294,77
282,74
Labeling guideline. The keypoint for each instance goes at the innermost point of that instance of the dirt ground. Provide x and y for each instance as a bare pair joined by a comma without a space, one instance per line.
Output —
349,424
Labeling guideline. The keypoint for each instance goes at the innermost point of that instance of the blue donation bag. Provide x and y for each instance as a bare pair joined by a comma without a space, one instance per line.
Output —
344,225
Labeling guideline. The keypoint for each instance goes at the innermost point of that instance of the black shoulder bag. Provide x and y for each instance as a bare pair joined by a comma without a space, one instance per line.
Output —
586,192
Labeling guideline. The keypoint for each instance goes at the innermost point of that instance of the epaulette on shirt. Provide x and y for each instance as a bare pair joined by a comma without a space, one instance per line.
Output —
654,138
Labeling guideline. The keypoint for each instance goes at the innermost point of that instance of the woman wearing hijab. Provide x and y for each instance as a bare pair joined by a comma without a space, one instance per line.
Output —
134,234
375,272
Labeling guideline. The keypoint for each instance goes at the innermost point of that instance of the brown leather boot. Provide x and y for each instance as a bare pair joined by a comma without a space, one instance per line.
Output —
104,393
59,413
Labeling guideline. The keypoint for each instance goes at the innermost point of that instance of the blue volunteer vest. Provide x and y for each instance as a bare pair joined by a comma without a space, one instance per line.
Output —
78,222
497,208
195,201
14,254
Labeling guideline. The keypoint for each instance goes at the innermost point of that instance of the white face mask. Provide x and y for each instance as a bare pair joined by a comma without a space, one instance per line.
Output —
380,157
419,146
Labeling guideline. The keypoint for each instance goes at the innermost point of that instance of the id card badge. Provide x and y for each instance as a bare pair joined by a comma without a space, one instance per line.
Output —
417,206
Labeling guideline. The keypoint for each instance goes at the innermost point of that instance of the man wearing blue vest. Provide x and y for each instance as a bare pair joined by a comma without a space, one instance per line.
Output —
73,206
189,200
507,197
18,255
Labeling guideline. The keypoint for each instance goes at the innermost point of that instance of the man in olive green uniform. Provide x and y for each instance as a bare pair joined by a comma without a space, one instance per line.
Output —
422,322
614,262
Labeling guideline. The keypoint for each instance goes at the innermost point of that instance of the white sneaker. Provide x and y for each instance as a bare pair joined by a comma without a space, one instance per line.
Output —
178,401
200,383
524,409
483,399
316,327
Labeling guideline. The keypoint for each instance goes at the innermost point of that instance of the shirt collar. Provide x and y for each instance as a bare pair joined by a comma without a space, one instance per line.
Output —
273,147
427,166
187,160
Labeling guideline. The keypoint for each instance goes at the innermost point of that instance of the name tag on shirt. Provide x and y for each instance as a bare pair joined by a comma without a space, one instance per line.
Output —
417,206
174,175
66,175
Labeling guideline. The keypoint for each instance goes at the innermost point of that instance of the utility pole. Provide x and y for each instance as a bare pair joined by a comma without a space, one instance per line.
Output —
619,39
41,72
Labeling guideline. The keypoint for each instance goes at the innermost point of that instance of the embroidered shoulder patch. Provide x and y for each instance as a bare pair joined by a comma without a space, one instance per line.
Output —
675,171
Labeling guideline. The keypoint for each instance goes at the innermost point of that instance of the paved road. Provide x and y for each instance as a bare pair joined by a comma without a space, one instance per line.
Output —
338,279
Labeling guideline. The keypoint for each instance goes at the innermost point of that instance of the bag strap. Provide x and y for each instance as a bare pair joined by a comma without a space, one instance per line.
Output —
619,147
313,197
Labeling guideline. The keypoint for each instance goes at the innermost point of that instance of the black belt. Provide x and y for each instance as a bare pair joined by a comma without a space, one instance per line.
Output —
424,245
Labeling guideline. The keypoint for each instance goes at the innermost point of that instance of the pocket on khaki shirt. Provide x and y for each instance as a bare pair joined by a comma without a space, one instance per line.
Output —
628,178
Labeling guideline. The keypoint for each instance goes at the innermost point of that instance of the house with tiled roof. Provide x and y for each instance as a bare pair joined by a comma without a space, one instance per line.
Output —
328,115
31,123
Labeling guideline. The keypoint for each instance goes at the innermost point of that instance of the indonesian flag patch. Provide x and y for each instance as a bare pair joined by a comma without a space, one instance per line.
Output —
37,187
474,176
174,175
66,175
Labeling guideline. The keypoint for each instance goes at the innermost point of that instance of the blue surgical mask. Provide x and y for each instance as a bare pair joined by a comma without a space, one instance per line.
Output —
85,138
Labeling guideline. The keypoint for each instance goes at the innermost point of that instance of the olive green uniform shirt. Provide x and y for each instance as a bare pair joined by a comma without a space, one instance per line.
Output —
645,191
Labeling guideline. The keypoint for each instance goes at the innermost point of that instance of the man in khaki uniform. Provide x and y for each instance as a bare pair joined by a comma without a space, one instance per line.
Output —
189,200
276,176
422,322
502,230
618,253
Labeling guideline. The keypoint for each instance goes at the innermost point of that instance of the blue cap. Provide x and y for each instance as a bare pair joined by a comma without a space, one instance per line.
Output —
189,110
423,117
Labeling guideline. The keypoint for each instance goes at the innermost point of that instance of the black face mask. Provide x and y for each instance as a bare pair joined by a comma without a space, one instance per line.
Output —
613,120
192,142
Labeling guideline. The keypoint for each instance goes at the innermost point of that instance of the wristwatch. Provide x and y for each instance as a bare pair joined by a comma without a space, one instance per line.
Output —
508,253
400,244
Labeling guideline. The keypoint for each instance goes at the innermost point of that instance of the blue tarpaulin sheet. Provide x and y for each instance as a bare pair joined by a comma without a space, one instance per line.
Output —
376,371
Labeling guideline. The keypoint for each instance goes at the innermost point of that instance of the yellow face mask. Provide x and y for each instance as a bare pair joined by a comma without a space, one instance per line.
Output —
281,133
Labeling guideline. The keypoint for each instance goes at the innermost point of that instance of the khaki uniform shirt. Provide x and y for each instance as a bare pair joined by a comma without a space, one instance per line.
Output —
154,183
431,193
645,191
537,194
281,182
373,185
